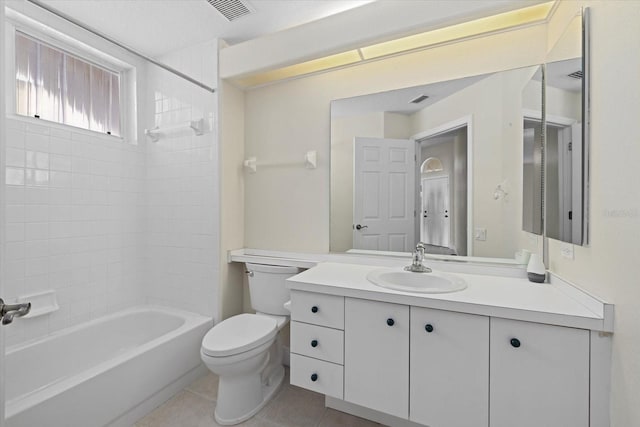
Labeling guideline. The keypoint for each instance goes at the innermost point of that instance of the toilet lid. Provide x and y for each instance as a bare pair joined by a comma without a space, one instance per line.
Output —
238,334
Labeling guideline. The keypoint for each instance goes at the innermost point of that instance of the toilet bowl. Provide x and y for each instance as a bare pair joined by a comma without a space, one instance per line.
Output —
245,350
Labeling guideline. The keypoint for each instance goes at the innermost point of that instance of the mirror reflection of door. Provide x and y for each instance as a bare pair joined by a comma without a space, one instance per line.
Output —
435,225
384,208
443,182
564,177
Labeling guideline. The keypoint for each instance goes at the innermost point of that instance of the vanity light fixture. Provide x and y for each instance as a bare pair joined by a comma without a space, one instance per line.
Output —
320,64
491,24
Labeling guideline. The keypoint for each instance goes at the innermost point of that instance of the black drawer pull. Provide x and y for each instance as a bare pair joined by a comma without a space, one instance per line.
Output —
428,327
390,322
515,342
314,309
314,377
314,343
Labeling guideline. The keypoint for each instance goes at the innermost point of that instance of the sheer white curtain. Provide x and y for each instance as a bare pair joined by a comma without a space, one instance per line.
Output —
56,86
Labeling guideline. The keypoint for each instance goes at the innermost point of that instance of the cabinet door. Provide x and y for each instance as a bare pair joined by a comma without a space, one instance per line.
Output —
539,375
449,369
376,359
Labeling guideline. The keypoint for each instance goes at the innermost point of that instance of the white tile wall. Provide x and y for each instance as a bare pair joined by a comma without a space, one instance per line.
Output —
74,213
182,186
109,224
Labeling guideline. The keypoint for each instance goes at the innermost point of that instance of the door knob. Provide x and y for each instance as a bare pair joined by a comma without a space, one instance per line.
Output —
360,227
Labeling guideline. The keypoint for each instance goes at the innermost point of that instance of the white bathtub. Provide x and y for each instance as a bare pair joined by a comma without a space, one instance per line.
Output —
103,372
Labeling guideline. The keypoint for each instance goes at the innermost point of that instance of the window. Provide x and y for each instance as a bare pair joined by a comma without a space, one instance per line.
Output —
54,85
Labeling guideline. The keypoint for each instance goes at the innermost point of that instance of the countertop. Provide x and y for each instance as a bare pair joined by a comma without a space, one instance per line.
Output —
557,303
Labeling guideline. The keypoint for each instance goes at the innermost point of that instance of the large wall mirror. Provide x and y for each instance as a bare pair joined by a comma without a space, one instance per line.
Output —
440,163
566,153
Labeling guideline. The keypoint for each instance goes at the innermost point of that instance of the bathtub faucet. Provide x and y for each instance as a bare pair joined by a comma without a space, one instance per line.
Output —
9,311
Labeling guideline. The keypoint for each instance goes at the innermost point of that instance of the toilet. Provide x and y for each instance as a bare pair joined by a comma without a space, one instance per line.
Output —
245,351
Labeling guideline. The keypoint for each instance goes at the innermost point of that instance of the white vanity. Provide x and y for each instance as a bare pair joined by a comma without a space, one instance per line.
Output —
503,352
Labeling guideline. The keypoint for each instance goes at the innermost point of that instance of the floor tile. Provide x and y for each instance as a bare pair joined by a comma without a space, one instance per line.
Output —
294,407
333,418
206,386
185,409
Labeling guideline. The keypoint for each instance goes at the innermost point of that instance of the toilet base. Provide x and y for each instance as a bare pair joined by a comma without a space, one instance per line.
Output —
269,386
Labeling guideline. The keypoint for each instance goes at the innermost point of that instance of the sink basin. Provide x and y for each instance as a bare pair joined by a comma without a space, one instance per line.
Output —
428,283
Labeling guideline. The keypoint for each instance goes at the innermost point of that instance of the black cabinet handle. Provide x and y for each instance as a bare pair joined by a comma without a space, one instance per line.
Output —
314,309
314,377
390,322
428,327
314,343
515,342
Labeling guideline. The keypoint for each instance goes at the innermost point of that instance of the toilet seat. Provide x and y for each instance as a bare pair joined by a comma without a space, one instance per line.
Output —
239,334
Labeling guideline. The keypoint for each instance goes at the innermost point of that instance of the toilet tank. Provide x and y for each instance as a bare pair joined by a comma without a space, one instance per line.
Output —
267,287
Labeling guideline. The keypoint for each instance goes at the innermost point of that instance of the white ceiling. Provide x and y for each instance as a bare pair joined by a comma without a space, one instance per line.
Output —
155,27
398,101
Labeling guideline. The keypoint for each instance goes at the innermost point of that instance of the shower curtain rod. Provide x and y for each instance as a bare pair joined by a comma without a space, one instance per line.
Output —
123,46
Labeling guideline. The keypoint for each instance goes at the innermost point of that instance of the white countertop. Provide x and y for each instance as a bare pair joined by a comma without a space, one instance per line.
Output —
556,303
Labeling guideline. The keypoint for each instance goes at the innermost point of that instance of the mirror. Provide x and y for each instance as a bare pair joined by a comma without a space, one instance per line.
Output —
533,143
439,163
565,152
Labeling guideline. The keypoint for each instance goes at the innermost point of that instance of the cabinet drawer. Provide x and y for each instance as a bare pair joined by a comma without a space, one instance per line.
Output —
318,342
316,375
318,309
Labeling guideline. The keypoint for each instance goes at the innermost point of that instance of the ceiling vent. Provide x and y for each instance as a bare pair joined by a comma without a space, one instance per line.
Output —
231,9
418,99
576,75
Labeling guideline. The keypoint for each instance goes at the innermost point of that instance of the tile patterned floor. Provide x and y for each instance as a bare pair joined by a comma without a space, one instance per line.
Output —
291,407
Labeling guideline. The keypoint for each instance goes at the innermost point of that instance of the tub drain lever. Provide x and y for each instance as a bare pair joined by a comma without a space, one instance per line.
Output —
9,311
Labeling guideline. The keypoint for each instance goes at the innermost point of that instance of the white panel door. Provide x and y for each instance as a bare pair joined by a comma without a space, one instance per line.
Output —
384,183
376,356
436,211
449,364
539,375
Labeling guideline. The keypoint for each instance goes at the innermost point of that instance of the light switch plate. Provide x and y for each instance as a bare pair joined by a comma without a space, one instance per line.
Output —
480,234
566,250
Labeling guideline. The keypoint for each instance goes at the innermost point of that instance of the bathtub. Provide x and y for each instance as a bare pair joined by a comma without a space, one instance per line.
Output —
109,371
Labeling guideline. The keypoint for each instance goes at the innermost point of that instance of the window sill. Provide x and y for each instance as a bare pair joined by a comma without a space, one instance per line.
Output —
65,127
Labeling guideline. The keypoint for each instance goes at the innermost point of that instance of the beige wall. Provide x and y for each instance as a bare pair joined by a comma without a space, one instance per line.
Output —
287,207
607,267
231,197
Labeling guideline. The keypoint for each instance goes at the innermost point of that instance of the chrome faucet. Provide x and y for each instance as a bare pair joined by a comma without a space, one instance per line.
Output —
418,256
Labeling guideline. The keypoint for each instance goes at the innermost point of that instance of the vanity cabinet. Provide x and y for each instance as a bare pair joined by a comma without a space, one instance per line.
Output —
539,375
449,365
440,368
376,356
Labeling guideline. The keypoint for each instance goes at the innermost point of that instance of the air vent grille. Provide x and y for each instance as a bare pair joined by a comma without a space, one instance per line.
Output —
231,9
418,99
576,74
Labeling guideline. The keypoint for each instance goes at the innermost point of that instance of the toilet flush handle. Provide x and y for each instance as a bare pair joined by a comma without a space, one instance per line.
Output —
249,273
